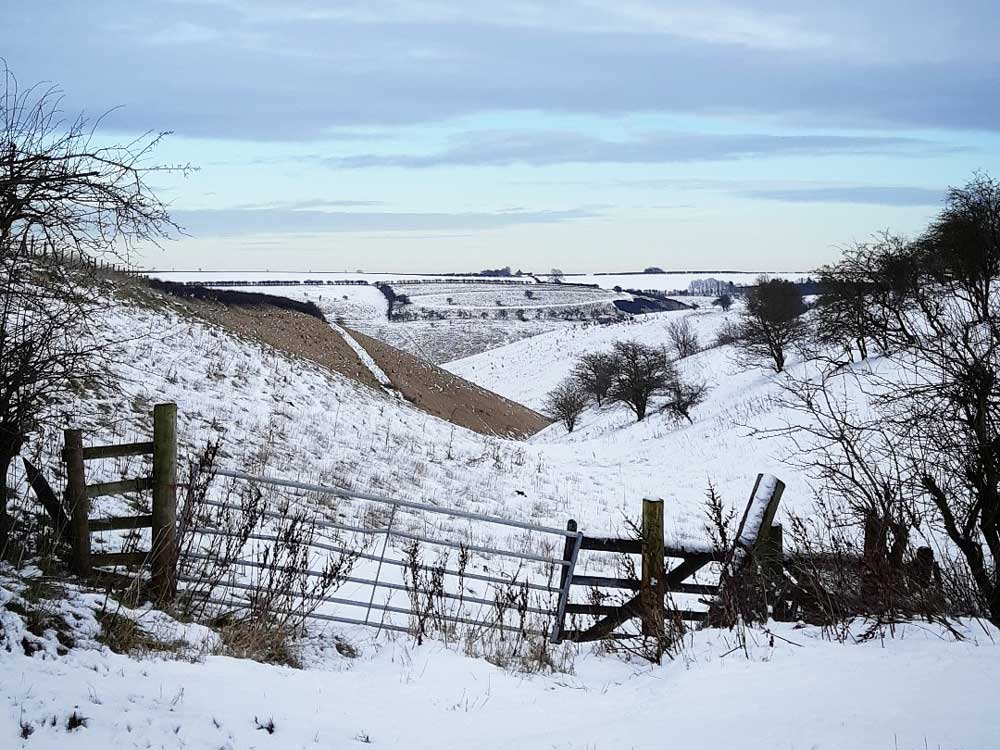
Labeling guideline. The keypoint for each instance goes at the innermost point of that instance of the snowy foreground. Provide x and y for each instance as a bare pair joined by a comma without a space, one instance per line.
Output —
790,688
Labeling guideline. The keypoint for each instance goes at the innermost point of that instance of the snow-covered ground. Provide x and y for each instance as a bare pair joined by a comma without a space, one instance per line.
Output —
303,421
789,688
525,371
918,688
475,323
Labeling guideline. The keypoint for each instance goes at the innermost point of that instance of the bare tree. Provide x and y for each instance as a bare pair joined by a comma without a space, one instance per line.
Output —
595,372
63,198
566,403
683,397
771,322
642,372
864,295
683,338
922,440
724,301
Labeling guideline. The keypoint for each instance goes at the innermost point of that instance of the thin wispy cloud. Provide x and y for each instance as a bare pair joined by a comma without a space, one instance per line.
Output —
545,148
250,221
871,195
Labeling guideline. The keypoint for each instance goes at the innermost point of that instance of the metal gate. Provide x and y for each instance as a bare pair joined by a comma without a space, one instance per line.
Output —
517,582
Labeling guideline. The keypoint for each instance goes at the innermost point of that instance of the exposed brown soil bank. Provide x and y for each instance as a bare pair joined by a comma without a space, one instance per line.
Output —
450,397
427,387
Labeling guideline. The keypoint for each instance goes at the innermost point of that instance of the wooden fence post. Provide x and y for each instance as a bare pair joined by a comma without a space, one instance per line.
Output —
164,481
772,553
653,583
77,501
772,568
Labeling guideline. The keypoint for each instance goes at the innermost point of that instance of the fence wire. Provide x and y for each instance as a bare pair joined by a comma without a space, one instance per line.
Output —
483,563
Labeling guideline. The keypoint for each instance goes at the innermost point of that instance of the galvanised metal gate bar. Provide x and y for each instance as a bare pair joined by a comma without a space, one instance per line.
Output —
566,564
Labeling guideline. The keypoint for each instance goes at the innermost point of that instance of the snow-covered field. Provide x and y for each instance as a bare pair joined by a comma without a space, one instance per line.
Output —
475,321
208,277
796,689
792,687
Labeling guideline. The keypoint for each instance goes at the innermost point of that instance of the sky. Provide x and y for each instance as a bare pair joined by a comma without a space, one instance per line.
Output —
588,135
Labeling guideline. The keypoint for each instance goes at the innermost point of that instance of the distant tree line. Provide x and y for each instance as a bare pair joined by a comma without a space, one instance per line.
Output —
229,297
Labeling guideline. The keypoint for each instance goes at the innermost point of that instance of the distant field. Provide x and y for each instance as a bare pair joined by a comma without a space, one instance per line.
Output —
487,296
446,320
666,282
452,318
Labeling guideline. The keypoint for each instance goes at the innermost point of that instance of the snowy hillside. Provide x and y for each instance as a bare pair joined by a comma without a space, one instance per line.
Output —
528,369
297,420
303,421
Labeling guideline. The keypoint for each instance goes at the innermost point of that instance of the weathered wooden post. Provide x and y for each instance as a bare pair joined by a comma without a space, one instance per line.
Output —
164,481
772,553
772,568
77,501
653,584
567,553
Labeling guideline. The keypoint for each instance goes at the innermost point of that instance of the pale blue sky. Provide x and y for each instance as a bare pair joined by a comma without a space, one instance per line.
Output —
585,134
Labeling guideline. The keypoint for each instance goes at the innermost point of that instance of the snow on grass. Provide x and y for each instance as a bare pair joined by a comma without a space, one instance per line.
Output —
487,296
798,690
527,370
795,689
304,422
364,308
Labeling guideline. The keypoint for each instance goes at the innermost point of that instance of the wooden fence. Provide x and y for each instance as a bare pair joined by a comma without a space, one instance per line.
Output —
162,483
757,537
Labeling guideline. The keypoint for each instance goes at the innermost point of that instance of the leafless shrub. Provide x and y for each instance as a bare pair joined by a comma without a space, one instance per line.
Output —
510,631
641,373
425,588
61,195
837,576
723,301
595,373
683,397
683,338
744,592
771,323
566,403
252,567
727,335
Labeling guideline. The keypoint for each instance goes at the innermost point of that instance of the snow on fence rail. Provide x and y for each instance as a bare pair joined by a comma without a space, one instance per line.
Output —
755,536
